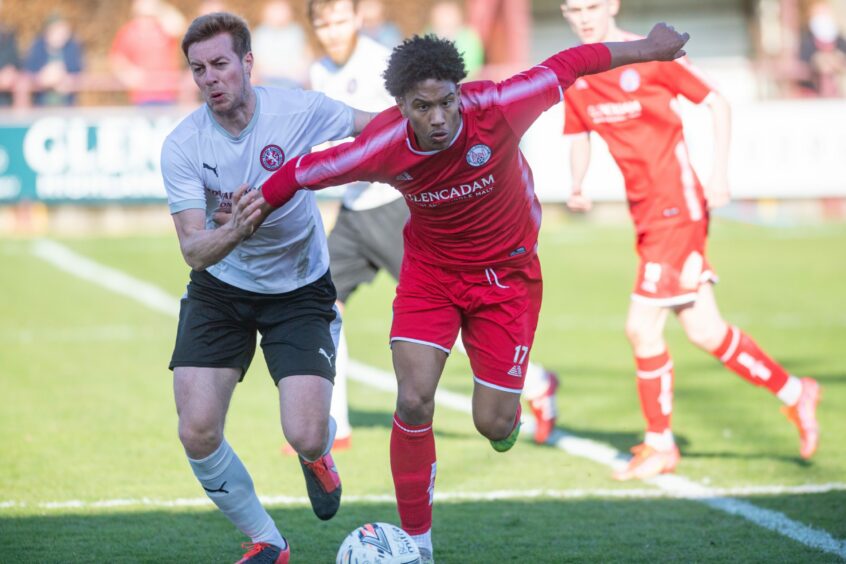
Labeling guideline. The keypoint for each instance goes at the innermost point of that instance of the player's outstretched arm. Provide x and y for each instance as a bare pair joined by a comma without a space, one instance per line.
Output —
203,247
663,43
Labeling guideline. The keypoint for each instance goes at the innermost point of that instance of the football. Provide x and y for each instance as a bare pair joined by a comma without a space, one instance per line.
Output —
378,543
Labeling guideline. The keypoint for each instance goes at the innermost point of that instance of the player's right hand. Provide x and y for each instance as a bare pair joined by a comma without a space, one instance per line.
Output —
666,42
579,203
246,215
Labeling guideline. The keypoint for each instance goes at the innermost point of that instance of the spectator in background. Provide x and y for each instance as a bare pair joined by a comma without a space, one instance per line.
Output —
54,63
281,51
211,6
376,26
9,63
447,21
823,51
145,53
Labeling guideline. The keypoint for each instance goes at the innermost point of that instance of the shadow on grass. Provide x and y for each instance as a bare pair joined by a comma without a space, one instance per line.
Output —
582,530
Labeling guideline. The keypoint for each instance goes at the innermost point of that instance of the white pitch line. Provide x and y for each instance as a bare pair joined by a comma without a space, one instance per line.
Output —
115,280
446,497
674,485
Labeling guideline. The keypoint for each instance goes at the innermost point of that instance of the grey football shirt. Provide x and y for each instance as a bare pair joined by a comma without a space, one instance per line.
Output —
203,164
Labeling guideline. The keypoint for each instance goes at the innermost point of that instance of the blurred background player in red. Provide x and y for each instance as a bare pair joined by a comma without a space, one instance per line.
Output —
470,260
635,110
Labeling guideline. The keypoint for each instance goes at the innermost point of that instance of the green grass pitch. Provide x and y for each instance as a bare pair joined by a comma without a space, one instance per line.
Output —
87,416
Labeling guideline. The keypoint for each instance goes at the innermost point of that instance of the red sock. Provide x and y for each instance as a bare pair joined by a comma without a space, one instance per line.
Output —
413,466
655,388
742,355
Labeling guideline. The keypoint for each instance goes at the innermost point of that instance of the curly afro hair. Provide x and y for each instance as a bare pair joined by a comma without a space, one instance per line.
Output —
421,58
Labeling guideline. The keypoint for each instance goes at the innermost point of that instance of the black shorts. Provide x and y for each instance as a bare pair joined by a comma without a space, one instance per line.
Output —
363,242
218,324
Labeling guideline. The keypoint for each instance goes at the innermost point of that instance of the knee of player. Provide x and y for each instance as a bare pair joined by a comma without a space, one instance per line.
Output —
494,426
639,334
199,440
415,408
309,441
707,336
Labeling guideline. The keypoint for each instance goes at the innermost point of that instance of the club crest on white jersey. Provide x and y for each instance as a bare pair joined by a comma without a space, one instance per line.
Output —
272,157
478,155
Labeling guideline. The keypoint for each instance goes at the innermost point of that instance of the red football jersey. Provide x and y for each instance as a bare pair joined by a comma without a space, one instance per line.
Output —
474,202
635,110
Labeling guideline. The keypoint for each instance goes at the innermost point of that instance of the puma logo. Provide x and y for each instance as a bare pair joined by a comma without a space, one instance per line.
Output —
327,355
211,168
218,490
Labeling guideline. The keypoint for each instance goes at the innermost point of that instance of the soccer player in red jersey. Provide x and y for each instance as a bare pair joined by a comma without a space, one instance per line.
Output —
635,110
470,244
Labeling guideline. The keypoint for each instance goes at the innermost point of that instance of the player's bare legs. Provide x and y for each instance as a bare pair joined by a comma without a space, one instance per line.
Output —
338,409
645,331
202,400
496,414
539,389
304,411
418,369
706,328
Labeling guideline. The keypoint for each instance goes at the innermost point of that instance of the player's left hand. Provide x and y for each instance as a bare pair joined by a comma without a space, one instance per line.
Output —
666,42
717,192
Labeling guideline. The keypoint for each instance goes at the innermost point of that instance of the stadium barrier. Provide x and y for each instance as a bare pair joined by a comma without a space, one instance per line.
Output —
107,159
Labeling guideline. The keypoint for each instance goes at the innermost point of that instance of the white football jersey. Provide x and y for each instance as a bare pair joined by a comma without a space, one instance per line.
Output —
359,84
203,164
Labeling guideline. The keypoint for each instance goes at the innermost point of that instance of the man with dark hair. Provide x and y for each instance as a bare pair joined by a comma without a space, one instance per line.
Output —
367,236
471,241
272,278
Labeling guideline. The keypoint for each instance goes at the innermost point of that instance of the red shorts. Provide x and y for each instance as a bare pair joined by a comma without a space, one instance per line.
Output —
672,265
496,310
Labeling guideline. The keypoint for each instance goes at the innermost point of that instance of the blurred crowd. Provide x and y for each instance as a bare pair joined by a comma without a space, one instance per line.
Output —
144,64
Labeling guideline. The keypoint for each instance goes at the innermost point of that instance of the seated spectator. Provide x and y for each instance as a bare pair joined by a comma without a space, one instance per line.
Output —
281,51
823,50
145,53
54,63
447,21
9,63
376,26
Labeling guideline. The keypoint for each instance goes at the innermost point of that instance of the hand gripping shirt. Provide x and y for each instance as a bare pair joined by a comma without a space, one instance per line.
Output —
203,164
635,110
472,203
358,83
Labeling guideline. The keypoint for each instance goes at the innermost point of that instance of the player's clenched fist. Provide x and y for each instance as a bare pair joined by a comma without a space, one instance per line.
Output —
666,42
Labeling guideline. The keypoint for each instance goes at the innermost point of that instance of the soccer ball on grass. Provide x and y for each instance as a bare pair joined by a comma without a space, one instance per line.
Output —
378,543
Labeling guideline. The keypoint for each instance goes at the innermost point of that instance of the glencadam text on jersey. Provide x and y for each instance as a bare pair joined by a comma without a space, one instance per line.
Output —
480,187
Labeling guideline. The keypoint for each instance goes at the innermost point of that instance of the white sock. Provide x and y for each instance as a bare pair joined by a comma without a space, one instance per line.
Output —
339,408
424,540
660,441
537,381
229,486
790,392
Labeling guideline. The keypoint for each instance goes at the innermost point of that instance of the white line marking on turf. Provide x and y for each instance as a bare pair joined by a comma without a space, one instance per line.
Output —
673,485
115,280
447,497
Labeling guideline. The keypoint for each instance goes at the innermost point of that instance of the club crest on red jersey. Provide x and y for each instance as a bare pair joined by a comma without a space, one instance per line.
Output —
272,157
478,155
630,80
